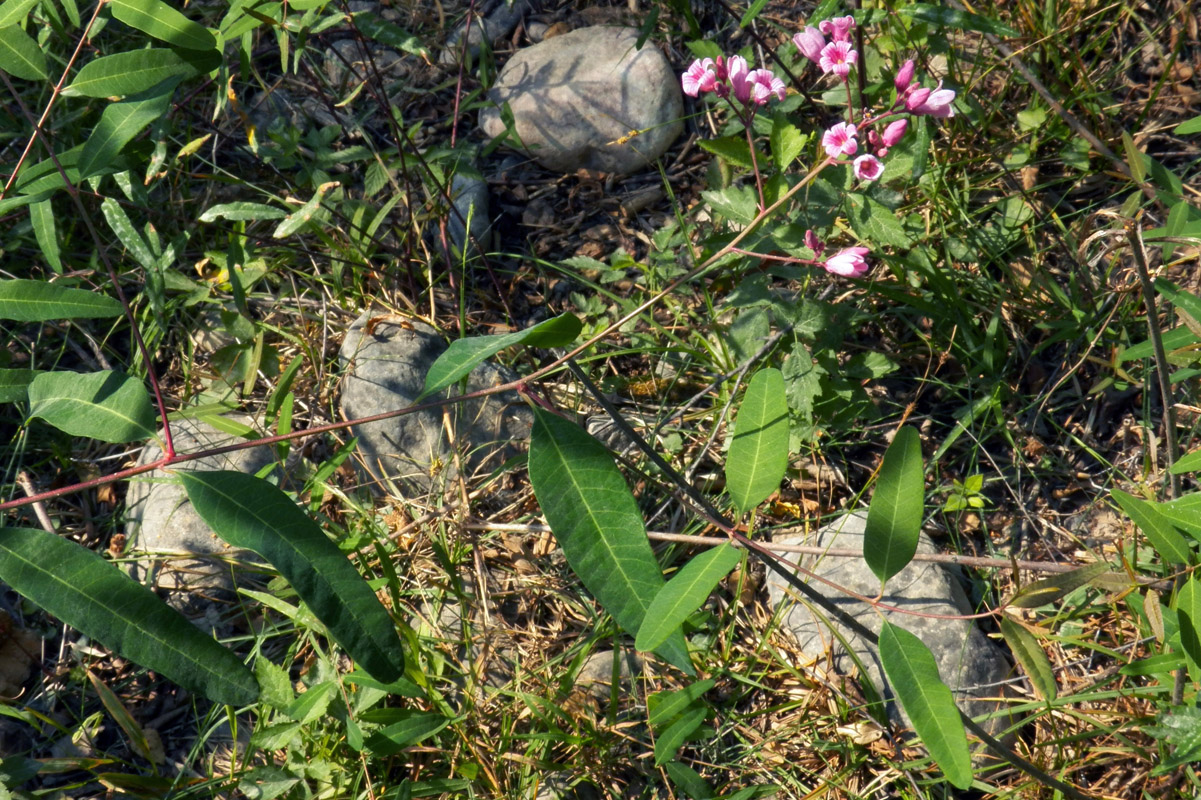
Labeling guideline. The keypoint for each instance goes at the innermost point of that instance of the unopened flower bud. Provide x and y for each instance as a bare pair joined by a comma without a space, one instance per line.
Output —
915,98
894,132
904,76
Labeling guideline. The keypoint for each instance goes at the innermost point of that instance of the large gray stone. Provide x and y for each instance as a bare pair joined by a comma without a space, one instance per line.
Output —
968,661
493,20
387,358
574,96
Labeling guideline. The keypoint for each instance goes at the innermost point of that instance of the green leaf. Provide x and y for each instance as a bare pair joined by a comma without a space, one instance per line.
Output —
1185,301
758,454
464,354
685,593
1189,126
913,673
412,728
1032,657
1184,513
20,55
688,780
161,21
97,599
673,737
597,523
948,17
13,12
121,122
1054,588
787,142
45,230
1173,339
301,216
894,518
1188,612
249,512
15,382
1170,545
1180,727
876,222
729,148
389,34
109,406
663,707
119,221
1189,462
37,301
138,70
242,211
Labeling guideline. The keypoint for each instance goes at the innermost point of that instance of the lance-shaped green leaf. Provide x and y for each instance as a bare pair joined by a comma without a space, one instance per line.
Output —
13,12
672,738
954,18
301,216
109,406
1184,513
249,512
243,210
1054,588
684,594
597,523
1188,613
464,354
45,230
14,384
37,301
138,70
97,599
20,55
120,122
758,453
894,518
1158,529
913,674
1032,657
663,707
1189,462
411,729
161,21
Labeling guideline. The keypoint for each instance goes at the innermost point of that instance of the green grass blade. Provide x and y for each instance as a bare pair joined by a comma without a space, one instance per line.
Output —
138,70
157,19
1158,529
758,454
250,513
464,354
97,599
914,677
684,594
37,301
663,707
109,406
948,17
894,518
1032,657
597,523
20,55
121,122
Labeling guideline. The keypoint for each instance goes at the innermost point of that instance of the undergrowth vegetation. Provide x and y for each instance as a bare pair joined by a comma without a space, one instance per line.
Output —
975,313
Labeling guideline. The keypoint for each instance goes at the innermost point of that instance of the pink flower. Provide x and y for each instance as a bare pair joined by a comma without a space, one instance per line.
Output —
904,76
738,72
936,104
839,28
915,97
810,42
813,243
849,263
837,57
894,132
840,140
868,167
700,77
763,84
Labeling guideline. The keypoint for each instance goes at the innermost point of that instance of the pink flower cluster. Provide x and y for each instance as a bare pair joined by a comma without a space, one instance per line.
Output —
751,87
850,262
836,56
921,101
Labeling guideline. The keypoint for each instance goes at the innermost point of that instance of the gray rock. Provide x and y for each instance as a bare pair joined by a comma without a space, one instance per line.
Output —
348,63
494,24
182,554
469,193
386,371
560,786
968,661
574,96
596,675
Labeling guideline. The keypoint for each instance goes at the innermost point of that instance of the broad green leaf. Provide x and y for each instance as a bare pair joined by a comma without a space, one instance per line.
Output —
13,12
894,518
685,593
415,726
97,599
387,33
464,354
876,222
673,737
249,512
45,230
1032,657
1170,545
1189,126
758,454
157,19
121,122
1188,612
730,148
914,677
119,221
20,55
301,216
597,523
109,406
242,211
138,70
948,17
689,781
1184,513
1180,727
15,382
786,141
1054,588
663,707
27,300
